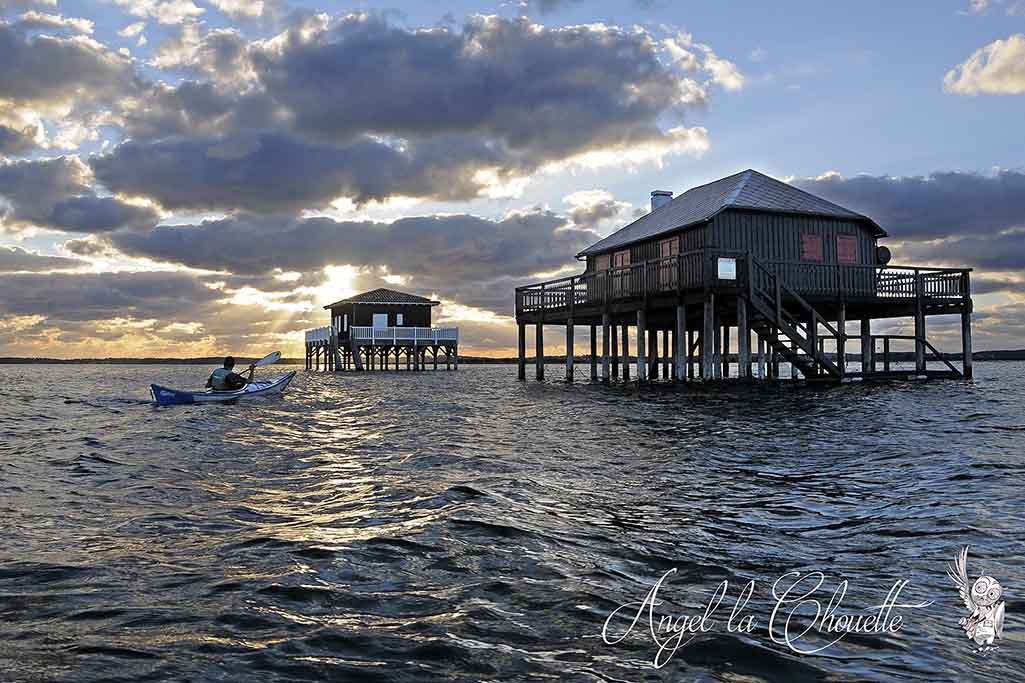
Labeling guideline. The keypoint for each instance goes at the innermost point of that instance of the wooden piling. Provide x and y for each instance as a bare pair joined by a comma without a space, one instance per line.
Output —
708,339
761,357
594,353
725,351
521,360
743,340
867,361
614,331
539,350
841,342
642,365
569,350
680,366
919,325
667,359
626,352
966,337
653,354
605,347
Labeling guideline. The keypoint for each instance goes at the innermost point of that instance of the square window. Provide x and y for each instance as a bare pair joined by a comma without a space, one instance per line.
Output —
846,249
811,247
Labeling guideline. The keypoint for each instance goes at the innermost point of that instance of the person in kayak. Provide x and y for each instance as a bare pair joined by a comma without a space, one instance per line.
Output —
226,379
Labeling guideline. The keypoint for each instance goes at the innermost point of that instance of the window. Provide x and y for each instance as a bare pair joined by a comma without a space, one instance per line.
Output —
380,320
667,269
669,247
811,247
621,278
345,322
846,248
398,319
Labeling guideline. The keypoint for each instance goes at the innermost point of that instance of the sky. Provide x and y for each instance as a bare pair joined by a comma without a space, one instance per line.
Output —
199,177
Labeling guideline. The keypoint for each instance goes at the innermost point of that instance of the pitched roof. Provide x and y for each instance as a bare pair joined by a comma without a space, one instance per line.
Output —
745,190
384,296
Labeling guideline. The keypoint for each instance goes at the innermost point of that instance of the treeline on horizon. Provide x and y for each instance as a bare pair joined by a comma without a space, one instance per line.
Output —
903,356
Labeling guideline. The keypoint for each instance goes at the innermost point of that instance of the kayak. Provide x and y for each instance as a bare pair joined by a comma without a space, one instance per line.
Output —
171,397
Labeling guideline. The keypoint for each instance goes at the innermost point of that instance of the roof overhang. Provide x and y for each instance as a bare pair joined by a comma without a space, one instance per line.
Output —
345,302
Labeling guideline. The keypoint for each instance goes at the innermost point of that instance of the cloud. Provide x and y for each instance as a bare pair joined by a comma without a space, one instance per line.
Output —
164,11
15,142
99,296
15,259
132,30
941,204
996,69
944,219
56,194
591,208
471,259
33,20
48,72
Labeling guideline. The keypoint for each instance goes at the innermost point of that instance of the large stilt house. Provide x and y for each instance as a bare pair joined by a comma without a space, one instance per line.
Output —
380,330
755,257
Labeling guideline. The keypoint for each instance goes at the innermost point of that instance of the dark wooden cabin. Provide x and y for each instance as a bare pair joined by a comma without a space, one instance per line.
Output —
752,253
372,329
381,308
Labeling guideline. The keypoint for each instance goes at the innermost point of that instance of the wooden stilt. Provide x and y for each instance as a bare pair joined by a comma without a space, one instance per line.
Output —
841,342
966,331
691,341
626,352
716,346
521,359
605,347
539,350
614,332
708,339
725,351
919,325
681,343
743,340
667,359
642,365
569,350
594,353
653,354
761,357
866,346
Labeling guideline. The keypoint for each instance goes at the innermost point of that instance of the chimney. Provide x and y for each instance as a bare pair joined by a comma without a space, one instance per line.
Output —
660,198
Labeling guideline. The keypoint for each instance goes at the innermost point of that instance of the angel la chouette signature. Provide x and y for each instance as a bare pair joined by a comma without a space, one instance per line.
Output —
985,620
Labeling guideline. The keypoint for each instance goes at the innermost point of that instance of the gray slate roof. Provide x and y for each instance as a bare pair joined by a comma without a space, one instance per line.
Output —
745,190
384,296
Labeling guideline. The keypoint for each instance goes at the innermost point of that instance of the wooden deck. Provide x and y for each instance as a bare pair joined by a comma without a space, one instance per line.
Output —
795,310
381,348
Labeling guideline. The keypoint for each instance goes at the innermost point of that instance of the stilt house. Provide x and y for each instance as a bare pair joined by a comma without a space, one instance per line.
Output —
380,329
757,256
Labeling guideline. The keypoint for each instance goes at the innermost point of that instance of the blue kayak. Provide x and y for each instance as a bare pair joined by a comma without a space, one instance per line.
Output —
172,397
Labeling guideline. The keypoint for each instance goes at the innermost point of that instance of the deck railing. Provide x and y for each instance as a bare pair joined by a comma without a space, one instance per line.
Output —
706,268
384,335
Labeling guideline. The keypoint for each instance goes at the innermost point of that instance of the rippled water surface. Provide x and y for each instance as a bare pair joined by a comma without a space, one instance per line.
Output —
463,526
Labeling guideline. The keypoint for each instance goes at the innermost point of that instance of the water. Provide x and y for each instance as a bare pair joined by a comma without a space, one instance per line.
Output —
463,526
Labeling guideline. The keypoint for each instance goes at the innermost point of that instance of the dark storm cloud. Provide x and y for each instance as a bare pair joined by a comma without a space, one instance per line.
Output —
466,257
54,193
103,296
15,142
1003,252
941,204
548,93
596,212
276,172
99,214
369,111
46,69
15,259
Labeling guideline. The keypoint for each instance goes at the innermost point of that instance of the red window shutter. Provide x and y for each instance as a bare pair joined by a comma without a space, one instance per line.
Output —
846,249
811,247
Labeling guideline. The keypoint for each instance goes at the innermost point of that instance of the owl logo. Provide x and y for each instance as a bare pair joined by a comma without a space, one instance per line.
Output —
985,620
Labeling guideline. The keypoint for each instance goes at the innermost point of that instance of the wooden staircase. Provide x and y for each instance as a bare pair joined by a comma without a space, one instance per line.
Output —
788,323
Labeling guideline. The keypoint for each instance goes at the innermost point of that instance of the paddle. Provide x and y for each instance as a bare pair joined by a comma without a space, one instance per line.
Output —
269,359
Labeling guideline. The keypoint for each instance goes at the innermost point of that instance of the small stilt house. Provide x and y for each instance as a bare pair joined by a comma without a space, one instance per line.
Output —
379,330
759,258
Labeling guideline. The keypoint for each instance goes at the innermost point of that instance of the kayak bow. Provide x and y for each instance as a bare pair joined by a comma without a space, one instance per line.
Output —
170,397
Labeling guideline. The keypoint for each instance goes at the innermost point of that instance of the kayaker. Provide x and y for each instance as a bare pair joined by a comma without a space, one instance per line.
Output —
226,379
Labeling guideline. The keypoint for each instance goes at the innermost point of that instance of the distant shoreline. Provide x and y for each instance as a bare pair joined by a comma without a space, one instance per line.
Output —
983,356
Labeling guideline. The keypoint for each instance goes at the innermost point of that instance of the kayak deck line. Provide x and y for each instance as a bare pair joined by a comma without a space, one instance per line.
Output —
166,396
